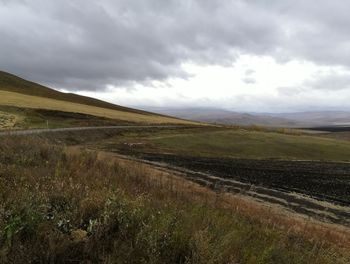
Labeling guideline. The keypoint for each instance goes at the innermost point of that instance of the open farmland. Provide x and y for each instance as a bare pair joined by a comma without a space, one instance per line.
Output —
295,169
255,145
286,183
334,132
127,210
323,180
234,143
310,188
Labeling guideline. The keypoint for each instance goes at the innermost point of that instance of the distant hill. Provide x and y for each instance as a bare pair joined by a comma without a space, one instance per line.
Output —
18,92
222,116
317,118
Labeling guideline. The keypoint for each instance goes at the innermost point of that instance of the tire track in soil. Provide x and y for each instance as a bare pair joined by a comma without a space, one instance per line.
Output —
326,209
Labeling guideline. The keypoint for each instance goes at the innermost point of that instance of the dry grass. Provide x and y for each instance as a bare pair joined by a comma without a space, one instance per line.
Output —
27,101
7,120
265,213
73,206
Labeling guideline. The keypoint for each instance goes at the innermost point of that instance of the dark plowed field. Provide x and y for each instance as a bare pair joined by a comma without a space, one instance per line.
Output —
331,128
321,180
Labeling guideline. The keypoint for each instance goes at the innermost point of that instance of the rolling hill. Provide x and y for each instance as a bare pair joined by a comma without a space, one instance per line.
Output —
228,117
318,118
22,101
225,117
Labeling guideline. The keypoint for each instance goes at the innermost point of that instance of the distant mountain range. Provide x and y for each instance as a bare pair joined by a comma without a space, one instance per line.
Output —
222,116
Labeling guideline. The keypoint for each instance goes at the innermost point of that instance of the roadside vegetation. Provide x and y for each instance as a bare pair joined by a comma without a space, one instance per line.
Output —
67,205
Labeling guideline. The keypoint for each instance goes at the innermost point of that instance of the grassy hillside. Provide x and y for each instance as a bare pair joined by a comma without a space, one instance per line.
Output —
115,211
16,92
27,118
28,101
12,83
237,143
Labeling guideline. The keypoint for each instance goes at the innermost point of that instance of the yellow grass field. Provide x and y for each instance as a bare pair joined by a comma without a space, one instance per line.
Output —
28,101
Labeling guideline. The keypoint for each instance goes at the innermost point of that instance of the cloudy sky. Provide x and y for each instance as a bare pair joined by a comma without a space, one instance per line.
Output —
245,55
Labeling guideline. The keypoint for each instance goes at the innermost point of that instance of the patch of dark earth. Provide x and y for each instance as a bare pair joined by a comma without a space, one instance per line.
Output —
274,181
330,128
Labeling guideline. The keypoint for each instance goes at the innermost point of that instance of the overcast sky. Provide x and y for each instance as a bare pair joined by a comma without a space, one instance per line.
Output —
257,56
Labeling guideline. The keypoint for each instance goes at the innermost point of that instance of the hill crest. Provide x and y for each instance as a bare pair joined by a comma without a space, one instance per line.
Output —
12,83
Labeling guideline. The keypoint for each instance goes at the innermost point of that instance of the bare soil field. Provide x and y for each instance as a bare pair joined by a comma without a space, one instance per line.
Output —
317,189
331,128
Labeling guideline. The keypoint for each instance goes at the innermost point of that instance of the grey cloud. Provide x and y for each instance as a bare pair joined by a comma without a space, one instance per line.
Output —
248,77
249,72
87,45
249,80
331,82
321,83
316,32
290,90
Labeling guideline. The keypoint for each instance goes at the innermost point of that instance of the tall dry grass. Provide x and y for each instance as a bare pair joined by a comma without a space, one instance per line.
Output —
72,206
